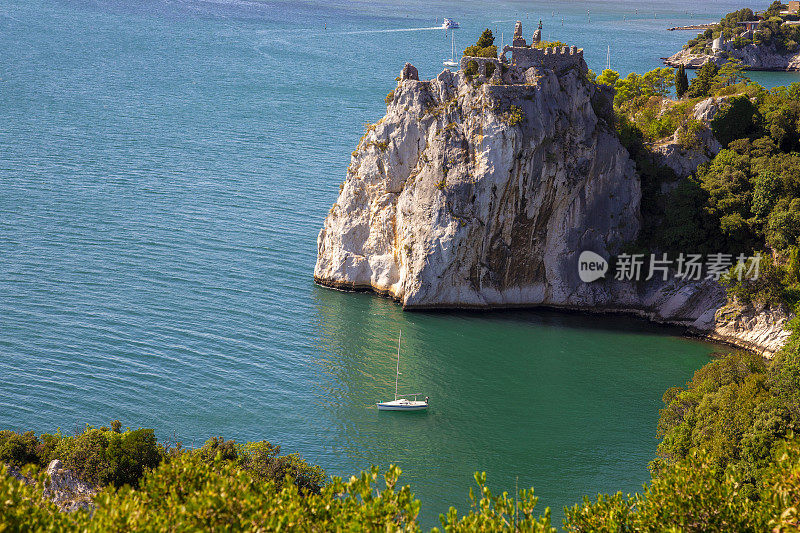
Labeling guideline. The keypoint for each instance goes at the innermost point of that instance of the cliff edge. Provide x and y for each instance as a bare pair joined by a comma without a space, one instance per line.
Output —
481,189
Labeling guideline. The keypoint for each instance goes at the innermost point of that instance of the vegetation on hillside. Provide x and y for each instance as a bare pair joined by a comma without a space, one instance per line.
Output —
232,487
746,200
771,31
109,456
728,459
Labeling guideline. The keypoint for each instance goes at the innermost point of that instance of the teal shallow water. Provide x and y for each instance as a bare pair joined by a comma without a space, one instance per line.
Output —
165,167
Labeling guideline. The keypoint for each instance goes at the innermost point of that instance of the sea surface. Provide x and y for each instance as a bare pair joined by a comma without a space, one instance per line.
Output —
165,166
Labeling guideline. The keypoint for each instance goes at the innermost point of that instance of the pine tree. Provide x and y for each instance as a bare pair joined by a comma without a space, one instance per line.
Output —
486,39
702,83
681,81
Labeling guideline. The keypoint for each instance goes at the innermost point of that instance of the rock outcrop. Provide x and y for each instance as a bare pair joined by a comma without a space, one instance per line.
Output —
752,56
479,194
62,487
468,195
682,159
761,330
67,491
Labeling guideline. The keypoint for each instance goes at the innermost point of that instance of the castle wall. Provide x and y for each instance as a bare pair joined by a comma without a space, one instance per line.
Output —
558,58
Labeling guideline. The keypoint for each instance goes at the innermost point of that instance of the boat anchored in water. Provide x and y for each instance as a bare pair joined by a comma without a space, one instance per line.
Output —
402,404
449,24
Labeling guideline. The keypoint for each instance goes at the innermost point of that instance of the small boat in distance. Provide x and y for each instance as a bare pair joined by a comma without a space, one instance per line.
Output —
451,62
449,24
402,404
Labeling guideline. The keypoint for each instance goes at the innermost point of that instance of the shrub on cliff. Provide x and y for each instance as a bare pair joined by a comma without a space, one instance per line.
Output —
106,457
704,80
20,449
476,51
608,77
263,460
739,118
486,39
484,47
550,44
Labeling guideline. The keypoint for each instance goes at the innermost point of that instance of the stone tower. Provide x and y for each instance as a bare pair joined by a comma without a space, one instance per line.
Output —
519,40
537,35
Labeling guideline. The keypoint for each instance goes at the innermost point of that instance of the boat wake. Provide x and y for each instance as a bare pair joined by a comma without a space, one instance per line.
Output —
391,30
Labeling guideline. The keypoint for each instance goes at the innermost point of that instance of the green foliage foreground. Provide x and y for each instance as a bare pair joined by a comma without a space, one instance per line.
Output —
189,493
728,461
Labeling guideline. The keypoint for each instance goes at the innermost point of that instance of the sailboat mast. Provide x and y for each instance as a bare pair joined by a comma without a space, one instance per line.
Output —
397,376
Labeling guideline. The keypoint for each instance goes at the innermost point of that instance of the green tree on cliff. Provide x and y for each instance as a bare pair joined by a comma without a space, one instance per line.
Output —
702,83
681,81
608,77
484,47
486,39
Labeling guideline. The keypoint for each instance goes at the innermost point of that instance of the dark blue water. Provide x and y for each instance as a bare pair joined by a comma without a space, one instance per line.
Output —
165,167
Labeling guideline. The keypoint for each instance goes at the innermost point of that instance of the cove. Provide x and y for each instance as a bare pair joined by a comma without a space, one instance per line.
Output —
564,402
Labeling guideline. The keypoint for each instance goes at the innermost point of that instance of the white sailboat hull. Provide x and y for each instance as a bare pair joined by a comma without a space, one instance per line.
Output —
403,405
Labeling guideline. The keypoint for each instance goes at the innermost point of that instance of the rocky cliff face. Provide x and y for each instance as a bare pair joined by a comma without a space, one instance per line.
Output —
754,57
757,329
477,195
67,491
469,195
684,160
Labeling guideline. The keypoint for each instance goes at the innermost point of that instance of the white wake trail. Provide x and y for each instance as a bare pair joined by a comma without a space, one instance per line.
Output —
391,31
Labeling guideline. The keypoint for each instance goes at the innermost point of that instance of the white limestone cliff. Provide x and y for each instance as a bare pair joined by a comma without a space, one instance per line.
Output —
62,487
480,195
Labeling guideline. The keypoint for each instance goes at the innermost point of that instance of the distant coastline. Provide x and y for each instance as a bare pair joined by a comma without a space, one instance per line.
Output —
765,41
693,27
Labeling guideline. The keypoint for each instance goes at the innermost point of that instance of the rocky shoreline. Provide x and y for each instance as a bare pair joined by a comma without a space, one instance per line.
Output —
752,56
759,331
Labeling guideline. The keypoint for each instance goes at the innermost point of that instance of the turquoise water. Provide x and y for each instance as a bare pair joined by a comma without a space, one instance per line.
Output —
165,167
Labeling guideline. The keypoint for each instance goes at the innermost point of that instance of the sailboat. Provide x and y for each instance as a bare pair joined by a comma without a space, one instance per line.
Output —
402,404
452,62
